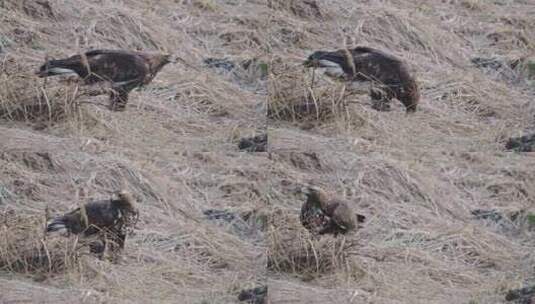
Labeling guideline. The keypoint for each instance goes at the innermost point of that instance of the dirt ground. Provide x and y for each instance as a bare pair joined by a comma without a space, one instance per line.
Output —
417,177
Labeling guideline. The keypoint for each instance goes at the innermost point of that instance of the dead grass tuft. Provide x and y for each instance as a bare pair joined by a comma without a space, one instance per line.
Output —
294,97
24,249
44,107
416,177
293,250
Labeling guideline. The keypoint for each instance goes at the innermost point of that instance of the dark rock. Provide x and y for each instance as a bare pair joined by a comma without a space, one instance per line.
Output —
360,218
496,216
488,63
257,295
224,64
491,215
244,70
524,143
224,215
530,68
507,223
525,295
257,143
506,68
247,225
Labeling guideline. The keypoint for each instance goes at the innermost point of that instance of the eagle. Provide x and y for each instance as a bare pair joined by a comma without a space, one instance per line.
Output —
327,215
106,218
124,70
389,75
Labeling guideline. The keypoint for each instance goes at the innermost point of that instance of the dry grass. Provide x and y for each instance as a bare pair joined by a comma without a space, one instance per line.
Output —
25,250
294,96
416,177
174,148
293,250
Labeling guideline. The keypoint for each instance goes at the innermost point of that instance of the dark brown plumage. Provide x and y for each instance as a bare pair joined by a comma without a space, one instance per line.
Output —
125,70
109,218
327,215
312,217
389,75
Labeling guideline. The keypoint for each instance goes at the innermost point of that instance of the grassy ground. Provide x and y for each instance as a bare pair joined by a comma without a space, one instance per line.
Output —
416,177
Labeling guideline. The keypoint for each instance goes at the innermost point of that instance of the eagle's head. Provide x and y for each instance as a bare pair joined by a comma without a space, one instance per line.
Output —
126,204
158,61
316,196
126,200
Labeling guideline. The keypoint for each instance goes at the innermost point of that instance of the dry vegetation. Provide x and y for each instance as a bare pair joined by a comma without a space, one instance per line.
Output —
175,148
416,177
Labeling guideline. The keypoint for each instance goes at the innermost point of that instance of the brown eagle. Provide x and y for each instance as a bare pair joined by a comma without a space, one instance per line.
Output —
108,218
390,76
327,215
124,70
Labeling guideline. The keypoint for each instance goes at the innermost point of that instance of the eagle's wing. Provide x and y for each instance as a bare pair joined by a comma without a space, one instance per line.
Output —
122,69
343,217
365,49
106,51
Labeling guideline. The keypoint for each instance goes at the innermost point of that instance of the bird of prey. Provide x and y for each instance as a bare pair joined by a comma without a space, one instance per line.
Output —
327,215
107,218
389,75
124,70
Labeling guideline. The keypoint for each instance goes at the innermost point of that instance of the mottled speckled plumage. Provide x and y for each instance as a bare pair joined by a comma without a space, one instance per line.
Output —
390,76
334,214
125,70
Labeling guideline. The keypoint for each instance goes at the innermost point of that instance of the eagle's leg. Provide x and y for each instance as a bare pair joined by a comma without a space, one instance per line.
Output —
109,244
408,95
118,99
119,239
117,245
380,98
97,248
119,94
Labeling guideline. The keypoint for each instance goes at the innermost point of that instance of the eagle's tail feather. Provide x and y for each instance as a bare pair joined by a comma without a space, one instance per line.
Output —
56,224
56,67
